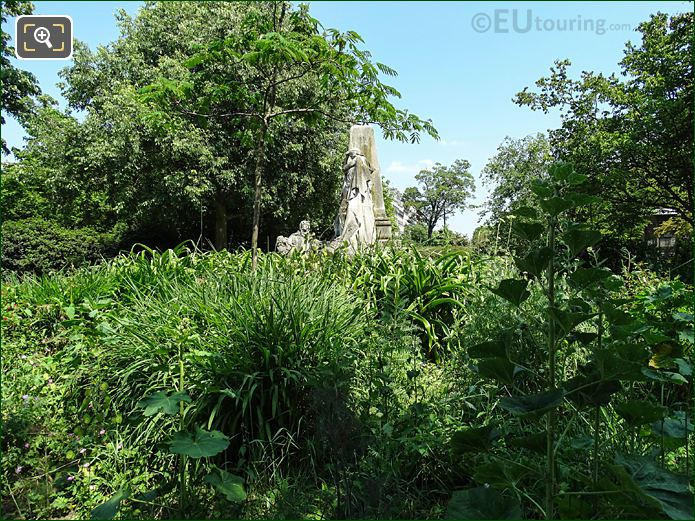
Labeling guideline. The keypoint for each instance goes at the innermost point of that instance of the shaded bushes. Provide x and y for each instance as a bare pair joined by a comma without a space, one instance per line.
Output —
42,246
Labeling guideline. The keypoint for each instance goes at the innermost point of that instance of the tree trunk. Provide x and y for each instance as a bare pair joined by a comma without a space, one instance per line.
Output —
260,156
220,221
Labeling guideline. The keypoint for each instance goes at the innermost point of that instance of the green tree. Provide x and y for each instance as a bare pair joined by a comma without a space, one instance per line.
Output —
510,172
172,181
633,137
388,203
18,86
444,189
283,68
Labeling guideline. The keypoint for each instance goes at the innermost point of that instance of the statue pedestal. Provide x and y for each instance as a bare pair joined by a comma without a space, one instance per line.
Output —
383,228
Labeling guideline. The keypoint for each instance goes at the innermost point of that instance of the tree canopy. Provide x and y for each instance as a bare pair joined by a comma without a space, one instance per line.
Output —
19,87
283,69
632,134
442,191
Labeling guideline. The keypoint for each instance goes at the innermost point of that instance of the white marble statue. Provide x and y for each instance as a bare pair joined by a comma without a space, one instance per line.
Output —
354,224
302,240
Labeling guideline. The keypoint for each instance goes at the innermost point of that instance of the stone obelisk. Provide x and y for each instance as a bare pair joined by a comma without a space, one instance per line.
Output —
362,138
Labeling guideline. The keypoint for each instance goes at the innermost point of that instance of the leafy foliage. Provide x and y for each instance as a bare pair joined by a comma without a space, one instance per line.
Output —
39,246
444,190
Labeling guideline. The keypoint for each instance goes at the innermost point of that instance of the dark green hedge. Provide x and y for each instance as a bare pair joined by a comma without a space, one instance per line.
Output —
40,246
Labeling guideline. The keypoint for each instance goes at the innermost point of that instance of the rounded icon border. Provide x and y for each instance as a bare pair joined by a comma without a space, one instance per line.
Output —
72,43
481,22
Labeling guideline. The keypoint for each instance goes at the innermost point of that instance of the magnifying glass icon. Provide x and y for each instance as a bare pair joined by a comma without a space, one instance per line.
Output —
42,35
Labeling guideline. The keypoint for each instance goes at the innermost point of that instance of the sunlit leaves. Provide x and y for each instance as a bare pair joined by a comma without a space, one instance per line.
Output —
528,231
161,402
578,239
555,205
229,485
664,376
199,444
662,490
535,261
541,188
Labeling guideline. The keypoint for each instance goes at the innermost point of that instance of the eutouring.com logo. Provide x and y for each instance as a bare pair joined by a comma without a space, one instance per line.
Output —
524,21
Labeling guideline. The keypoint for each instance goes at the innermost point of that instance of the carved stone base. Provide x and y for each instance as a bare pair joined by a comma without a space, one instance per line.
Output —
383,229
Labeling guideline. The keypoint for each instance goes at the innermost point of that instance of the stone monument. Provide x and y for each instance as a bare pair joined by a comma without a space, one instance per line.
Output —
361,220
302,240
354,225
362,138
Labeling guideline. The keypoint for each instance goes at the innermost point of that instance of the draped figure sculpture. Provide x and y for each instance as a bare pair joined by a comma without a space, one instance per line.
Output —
354,225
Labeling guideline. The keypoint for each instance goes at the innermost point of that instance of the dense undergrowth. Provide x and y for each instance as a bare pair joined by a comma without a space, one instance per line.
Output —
182,384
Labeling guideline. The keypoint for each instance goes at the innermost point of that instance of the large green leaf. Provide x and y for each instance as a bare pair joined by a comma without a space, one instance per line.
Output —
561,171
200,444
639,412
541,188
575,179
474,439
568,320
499,369
685,367
231,486
535,262
583,199
528,231
674,428
489,349
160,402
578,239
525,211
586,277
108,509
655,487
590,389
534,405
482,503
534,442
512,290
621,362
664,376
556,205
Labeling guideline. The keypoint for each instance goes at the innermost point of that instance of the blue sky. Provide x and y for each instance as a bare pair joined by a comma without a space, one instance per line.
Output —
454,66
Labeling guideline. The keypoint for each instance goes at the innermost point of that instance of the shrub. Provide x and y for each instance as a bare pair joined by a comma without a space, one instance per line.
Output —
255,348
40,246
